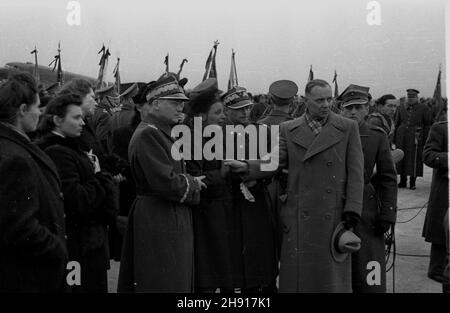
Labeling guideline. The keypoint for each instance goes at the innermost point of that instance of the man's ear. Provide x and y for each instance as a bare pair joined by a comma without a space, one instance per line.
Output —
23,108
155,105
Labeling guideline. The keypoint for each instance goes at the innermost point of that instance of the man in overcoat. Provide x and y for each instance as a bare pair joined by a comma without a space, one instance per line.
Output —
412,125
158,251
323,154
380,195
436,156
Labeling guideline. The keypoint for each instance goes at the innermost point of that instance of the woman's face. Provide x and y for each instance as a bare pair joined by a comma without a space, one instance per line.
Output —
88,105
72,123
216,115
29,116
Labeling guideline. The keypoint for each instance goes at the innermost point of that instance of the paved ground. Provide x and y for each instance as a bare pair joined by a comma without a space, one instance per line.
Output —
410,271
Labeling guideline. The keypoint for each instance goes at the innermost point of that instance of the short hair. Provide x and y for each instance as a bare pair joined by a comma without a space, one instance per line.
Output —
77,86
382,100
20,88
57,107
314,83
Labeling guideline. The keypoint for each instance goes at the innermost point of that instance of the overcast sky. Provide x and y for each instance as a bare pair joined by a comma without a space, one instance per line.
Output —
273,39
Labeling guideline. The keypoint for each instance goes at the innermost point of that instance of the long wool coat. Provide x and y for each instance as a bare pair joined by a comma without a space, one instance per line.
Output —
436,156
158,251
325,179
412,126
379,204
33,249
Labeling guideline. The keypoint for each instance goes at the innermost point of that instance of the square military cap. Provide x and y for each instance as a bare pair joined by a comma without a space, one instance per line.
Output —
236,98
166,87
283,91
353,95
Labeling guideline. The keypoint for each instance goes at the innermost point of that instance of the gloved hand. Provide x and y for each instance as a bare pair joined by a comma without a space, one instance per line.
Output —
382,226
350,219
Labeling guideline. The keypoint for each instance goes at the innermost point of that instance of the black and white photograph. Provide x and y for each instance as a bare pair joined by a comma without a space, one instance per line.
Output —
224,152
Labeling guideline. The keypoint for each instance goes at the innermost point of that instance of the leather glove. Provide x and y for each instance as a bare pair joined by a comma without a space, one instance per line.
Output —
350,219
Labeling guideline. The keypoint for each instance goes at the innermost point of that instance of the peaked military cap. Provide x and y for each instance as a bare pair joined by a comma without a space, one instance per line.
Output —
203,96
412,91
283,91
166,87
105,91
132,89
236,98
354,94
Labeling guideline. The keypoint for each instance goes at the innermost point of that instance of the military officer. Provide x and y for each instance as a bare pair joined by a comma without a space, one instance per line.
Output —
412,125
380,195
282,93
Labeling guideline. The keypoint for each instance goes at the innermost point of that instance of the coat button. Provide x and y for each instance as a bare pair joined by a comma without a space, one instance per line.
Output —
327,216
329,163
329,190
65,237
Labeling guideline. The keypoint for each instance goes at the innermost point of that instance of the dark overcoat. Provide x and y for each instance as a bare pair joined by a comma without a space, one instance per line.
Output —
325,179
158,251
379,204
89,208
436,156
275,117
412,126
101,125
33,254
217,262
254,223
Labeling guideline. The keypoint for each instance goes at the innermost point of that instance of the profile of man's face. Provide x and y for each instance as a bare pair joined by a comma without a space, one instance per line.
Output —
389,107
356,112
319,101
239,116
171,111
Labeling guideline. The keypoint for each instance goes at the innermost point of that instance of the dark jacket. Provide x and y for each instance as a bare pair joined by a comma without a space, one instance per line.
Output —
158,250
90,205
412,126
32,232
217,260
379,204
436,156
275,117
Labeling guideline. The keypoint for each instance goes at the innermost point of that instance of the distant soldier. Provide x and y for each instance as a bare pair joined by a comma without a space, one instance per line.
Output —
258,109
107,104
413,122
380,193
282,93
123,116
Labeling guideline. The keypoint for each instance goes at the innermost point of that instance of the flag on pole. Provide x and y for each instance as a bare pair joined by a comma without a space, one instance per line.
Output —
336,90
437,97
210,66
181,68
103,66
36,66
57,63
311,74
116,74
233,80
166,62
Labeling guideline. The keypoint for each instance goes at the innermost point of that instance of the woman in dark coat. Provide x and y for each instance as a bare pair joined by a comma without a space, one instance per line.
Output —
436,156
89,201
33,254
216,259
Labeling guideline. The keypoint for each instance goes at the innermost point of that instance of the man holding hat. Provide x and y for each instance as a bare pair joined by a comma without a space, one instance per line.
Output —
282,93
158,251
256,232
322,152
412,125
380,195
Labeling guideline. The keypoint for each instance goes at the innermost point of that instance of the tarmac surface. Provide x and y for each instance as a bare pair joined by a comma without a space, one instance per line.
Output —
412,252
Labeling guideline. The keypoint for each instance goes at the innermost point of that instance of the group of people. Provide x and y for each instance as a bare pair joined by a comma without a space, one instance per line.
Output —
99,176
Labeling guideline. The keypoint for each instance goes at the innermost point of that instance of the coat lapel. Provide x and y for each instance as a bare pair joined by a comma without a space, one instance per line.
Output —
329,136
301,134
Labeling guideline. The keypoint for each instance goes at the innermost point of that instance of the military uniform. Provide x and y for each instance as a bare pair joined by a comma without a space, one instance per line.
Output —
412,126
255,224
